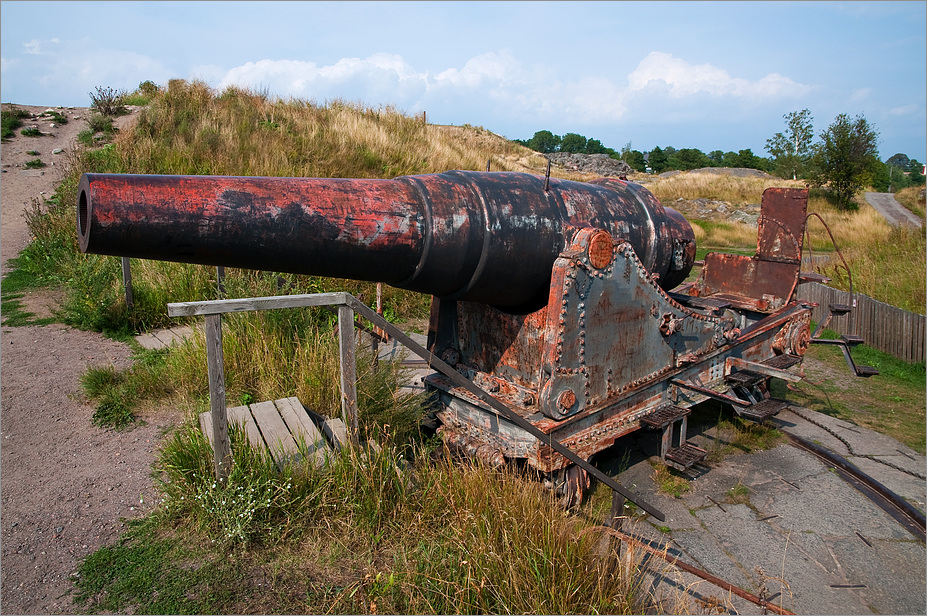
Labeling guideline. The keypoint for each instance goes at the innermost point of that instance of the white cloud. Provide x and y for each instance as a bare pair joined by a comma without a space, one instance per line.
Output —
860,95
498,69
904,110
370,79
33,47
684,80
54,69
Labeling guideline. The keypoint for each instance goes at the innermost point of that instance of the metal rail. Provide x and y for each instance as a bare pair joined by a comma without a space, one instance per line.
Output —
901,510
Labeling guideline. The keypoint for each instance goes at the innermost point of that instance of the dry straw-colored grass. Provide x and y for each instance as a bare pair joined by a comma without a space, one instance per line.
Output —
716,186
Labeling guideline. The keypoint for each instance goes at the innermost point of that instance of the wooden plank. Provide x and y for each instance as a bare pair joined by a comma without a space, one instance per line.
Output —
299,423
206,427
223,306
241,415
336,432
278,438
303,429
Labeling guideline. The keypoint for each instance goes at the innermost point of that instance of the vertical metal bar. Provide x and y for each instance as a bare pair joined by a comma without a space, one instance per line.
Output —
215,362
348,372
127,283
220,280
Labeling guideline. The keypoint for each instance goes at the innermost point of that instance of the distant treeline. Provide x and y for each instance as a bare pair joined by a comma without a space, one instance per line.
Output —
656,160
897,172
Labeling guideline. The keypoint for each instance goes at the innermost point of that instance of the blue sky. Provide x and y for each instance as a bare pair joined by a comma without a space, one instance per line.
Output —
708,75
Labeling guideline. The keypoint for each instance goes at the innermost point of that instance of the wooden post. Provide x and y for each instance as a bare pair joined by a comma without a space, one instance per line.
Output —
348,372
220,280
127,282
220,426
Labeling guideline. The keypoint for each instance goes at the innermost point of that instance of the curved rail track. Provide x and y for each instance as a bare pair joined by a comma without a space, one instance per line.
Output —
901,510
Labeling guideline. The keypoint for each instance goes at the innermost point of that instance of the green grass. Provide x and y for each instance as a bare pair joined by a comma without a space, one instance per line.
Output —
154,575
56,117
10,120
35,163
669,480
739,494
118,392
14,286
31,132
378,532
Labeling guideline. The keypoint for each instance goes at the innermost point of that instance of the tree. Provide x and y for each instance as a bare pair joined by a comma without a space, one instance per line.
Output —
635,159
730,159
544,141
791,150
688,158
899,160
657,160
571,142
847,158
748,160
716,157
916,169
594,146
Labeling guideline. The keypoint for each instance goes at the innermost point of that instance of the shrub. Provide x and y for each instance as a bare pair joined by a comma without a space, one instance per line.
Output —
108,102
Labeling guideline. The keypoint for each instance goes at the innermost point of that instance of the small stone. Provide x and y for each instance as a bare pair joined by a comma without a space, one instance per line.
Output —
57,151
59,529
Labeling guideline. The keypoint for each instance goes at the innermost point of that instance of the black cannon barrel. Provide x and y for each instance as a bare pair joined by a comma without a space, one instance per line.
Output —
479,236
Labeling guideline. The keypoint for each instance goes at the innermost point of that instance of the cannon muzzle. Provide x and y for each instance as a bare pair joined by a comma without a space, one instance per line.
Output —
485,237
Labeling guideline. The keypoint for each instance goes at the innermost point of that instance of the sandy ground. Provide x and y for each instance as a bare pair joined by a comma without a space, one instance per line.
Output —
65,485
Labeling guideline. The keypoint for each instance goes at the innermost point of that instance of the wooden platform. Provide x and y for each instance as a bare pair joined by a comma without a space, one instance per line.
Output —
286,429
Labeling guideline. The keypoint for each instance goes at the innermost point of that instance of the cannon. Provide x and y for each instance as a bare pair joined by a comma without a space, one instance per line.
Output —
565,300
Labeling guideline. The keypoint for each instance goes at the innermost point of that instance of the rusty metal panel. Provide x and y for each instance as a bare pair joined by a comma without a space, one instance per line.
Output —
781,226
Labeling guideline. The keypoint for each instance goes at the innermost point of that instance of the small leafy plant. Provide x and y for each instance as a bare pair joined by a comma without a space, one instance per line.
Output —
35,163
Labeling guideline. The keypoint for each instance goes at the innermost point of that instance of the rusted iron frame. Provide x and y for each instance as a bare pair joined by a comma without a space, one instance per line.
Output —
839,254
498,406
752,366
672,560
710,393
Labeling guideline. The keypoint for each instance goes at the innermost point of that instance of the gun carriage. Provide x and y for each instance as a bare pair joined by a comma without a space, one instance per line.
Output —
564,300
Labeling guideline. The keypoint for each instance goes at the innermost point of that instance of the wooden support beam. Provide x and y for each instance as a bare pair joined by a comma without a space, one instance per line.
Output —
348,372
215,365
127,283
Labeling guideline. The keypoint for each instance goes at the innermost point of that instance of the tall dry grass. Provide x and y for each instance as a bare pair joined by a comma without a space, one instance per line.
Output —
191,129
716,186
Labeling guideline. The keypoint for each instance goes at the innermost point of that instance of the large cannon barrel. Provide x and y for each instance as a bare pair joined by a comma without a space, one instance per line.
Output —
487,237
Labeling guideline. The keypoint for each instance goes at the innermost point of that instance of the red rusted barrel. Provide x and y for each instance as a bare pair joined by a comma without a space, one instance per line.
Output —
487,237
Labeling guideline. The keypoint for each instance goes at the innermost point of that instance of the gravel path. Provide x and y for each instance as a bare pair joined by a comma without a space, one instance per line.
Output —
65,485
895,213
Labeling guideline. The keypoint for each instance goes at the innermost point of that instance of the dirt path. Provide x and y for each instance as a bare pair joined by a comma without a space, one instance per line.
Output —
65,485
895,213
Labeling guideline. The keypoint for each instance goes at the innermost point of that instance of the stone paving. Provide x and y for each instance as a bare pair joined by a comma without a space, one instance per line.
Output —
801,534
